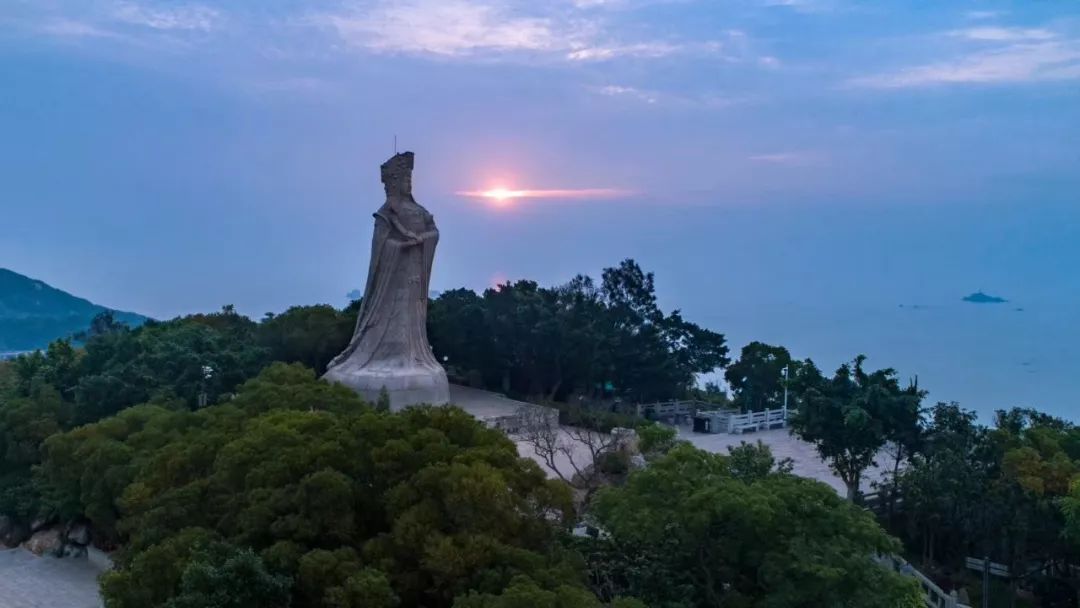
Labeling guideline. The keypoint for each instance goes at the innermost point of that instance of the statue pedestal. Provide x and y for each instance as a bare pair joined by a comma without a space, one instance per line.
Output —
405,386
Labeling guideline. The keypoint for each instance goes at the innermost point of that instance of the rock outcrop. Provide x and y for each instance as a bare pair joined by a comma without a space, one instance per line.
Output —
46,537
45,542
12,532
78,533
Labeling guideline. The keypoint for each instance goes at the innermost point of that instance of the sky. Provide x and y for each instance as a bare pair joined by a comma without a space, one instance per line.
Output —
791,170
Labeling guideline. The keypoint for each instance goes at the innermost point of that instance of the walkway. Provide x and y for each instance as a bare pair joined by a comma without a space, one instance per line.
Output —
28,581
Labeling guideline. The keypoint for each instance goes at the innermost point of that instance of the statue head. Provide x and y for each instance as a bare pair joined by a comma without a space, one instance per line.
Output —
397,175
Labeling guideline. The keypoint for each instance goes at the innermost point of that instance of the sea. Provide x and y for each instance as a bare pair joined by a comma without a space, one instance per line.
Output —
833,281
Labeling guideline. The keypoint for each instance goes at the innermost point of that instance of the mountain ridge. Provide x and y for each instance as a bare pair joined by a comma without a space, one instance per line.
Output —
34,313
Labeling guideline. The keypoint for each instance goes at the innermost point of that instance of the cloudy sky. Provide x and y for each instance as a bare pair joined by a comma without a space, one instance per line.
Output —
769,159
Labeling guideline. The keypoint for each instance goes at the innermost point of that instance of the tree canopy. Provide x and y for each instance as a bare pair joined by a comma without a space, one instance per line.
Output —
851,416
699,529
350,503
579,337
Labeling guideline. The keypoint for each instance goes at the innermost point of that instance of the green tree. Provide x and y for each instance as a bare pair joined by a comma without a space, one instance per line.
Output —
25,423
1032,473
525,592
310,478
8,379
849,418
311,335
690,531
757,377
549,343
162,361
223,576
752,461
459,332
946,485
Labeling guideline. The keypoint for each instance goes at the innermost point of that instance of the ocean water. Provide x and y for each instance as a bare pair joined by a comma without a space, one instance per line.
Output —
831,281
985,356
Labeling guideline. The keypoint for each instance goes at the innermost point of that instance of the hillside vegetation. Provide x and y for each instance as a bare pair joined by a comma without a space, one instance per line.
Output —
32,313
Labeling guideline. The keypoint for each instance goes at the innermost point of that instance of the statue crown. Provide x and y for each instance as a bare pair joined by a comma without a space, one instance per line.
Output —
398,167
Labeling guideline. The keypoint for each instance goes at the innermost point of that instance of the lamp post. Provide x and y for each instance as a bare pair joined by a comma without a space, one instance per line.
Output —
785,374
207,373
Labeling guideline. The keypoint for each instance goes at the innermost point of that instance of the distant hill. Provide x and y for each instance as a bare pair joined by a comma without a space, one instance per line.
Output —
32,314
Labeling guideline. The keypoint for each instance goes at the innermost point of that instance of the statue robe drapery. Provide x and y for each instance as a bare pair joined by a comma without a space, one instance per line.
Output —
391,327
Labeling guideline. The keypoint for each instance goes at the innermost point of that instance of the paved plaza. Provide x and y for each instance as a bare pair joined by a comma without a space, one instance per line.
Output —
28,581
806,461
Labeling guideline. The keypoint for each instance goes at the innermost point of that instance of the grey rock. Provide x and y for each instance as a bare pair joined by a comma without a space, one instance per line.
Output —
40,523
73,551
78,533
12,532
389,348
45,542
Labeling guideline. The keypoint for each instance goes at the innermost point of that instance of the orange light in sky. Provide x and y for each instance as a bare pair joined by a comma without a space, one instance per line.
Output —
503,196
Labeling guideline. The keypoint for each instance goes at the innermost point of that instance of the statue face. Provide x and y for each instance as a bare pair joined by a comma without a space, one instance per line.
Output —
398,185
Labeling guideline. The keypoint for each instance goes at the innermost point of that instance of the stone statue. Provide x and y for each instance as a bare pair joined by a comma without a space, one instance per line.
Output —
389,348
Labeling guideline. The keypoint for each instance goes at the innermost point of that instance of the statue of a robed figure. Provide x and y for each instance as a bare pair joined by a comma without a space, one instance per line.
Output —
389,348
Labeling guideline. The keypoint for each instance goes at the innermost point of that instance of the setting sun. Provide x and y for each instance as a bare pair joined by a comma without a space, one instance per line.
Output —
501,194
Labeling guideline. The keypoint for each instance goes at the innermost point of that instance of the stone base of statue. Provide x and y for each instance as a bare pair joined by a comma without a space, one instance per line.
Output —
405,387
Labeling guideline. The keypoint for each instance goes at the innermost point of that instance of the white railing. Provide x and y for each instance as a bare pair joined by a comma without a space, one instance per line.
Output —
933,596
726,420
757,421
673,409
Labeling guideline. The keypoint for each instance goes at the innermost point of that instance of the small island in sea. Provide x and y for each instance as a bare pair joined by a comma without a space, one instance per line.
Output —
981,298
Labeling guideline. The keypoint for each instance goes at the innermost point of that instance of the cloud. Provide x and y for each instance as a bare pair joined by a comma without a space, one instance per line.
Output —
646,50
567,31
444,27
612,90
182,17
981,15
661,98
1016,63
788,158
603,53
598,3
130,23
68,28
991,55
1004,34
802,6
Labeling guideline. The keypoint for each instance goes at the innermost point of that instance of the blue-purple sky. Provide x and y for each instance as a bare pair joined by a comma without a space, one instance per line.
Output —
795,169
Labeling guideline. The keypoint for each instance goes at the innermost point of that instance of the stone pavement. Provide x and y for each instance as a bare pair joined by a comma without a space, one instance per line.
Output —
784,445
806,461
28,581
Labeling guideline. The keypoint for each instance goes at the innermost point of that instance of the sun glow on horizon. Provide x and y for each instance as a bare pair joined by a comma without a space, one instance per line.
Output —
502,196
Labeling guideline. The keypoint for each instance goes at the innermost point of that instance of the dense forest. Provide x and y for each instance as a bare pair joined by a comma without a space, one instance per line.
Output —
207,452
